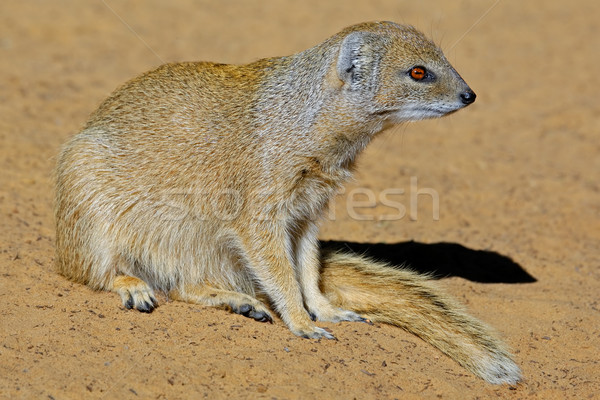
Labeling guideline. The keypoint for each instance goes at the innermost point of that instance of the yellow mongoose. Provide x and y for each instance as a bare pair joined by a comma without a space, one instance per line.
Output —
207,181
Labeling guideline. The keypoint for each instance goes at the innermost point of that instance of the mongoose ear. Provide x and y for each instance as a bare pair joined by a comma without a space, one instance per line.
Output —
354,58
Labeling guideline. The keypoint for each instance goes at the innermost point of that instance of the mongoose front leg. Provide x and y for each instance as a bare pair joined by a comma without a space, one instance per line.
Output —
270,262
308,269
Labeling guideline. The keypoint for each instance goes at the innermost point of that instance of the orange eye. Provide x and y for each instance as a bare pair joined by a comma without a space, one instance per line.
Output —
417,73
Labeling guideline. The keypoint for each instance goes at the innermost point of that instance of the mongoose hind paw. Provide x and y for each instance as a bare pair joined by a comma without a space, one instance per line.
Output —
248,310
142,306
135,293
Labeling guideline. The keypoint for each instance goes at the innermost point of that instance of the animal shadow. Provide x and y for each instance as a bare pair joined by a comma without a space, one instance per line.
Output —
440,260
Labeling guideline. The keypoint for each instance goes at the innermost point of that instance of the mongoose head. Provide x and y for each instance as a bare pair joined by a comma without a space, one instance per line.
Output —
404,75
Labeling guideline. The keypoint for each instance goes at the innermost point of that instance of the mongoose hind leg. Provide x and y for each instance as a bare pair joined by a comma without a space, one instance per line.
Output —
239,303
135,293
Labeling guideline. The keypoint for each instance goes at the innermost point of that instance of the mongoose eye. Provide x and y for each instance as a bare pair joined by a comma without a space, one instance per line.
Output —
418,73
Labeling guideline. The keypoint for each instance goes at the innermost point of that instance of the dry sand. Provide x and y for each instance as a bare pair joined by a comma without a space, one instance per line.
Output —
517,176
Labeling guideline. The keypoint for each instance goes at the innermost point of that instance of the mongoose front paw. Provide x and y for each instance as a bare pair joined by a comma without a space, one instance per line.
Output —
248,310
314,333
338,315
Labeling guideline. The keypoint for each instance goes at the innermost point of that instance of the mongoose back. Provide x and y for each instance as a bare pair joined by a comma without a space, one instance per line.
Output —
207,182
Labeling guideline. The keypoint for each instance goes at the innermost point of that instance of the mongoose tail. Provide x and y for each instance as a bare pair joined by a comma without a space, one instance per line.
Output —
411,301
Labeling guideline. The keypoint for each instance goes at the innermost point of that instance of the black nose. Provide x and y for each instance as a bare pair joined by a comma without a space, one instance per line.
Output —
468,96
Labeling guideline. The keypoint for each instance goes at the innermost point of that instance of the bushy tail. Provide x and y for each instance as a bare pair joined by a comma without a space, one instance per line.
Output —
411,301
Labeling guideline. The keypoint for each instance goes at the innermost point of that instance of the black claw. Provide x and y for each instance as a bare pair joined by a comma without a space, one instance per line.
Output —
245,310
145,307
154,302
261,316
312,316
129,303
248,310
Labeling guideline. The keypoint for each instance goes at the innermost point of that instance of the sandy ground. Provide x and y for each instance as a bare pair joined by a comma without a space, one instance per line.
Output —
517,175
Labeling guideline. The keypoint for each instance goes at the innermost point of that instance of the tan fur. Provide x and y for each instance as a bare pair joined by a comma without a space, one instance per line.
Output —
207,181
401,297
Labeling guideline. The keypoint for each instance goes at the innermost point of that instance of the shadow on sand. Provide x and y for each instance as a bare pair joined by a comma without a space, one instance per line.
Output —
440,260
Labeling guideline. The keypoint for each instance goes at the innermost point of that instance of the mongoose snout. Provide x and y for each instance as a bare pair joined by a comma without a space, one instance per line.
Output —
468,96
